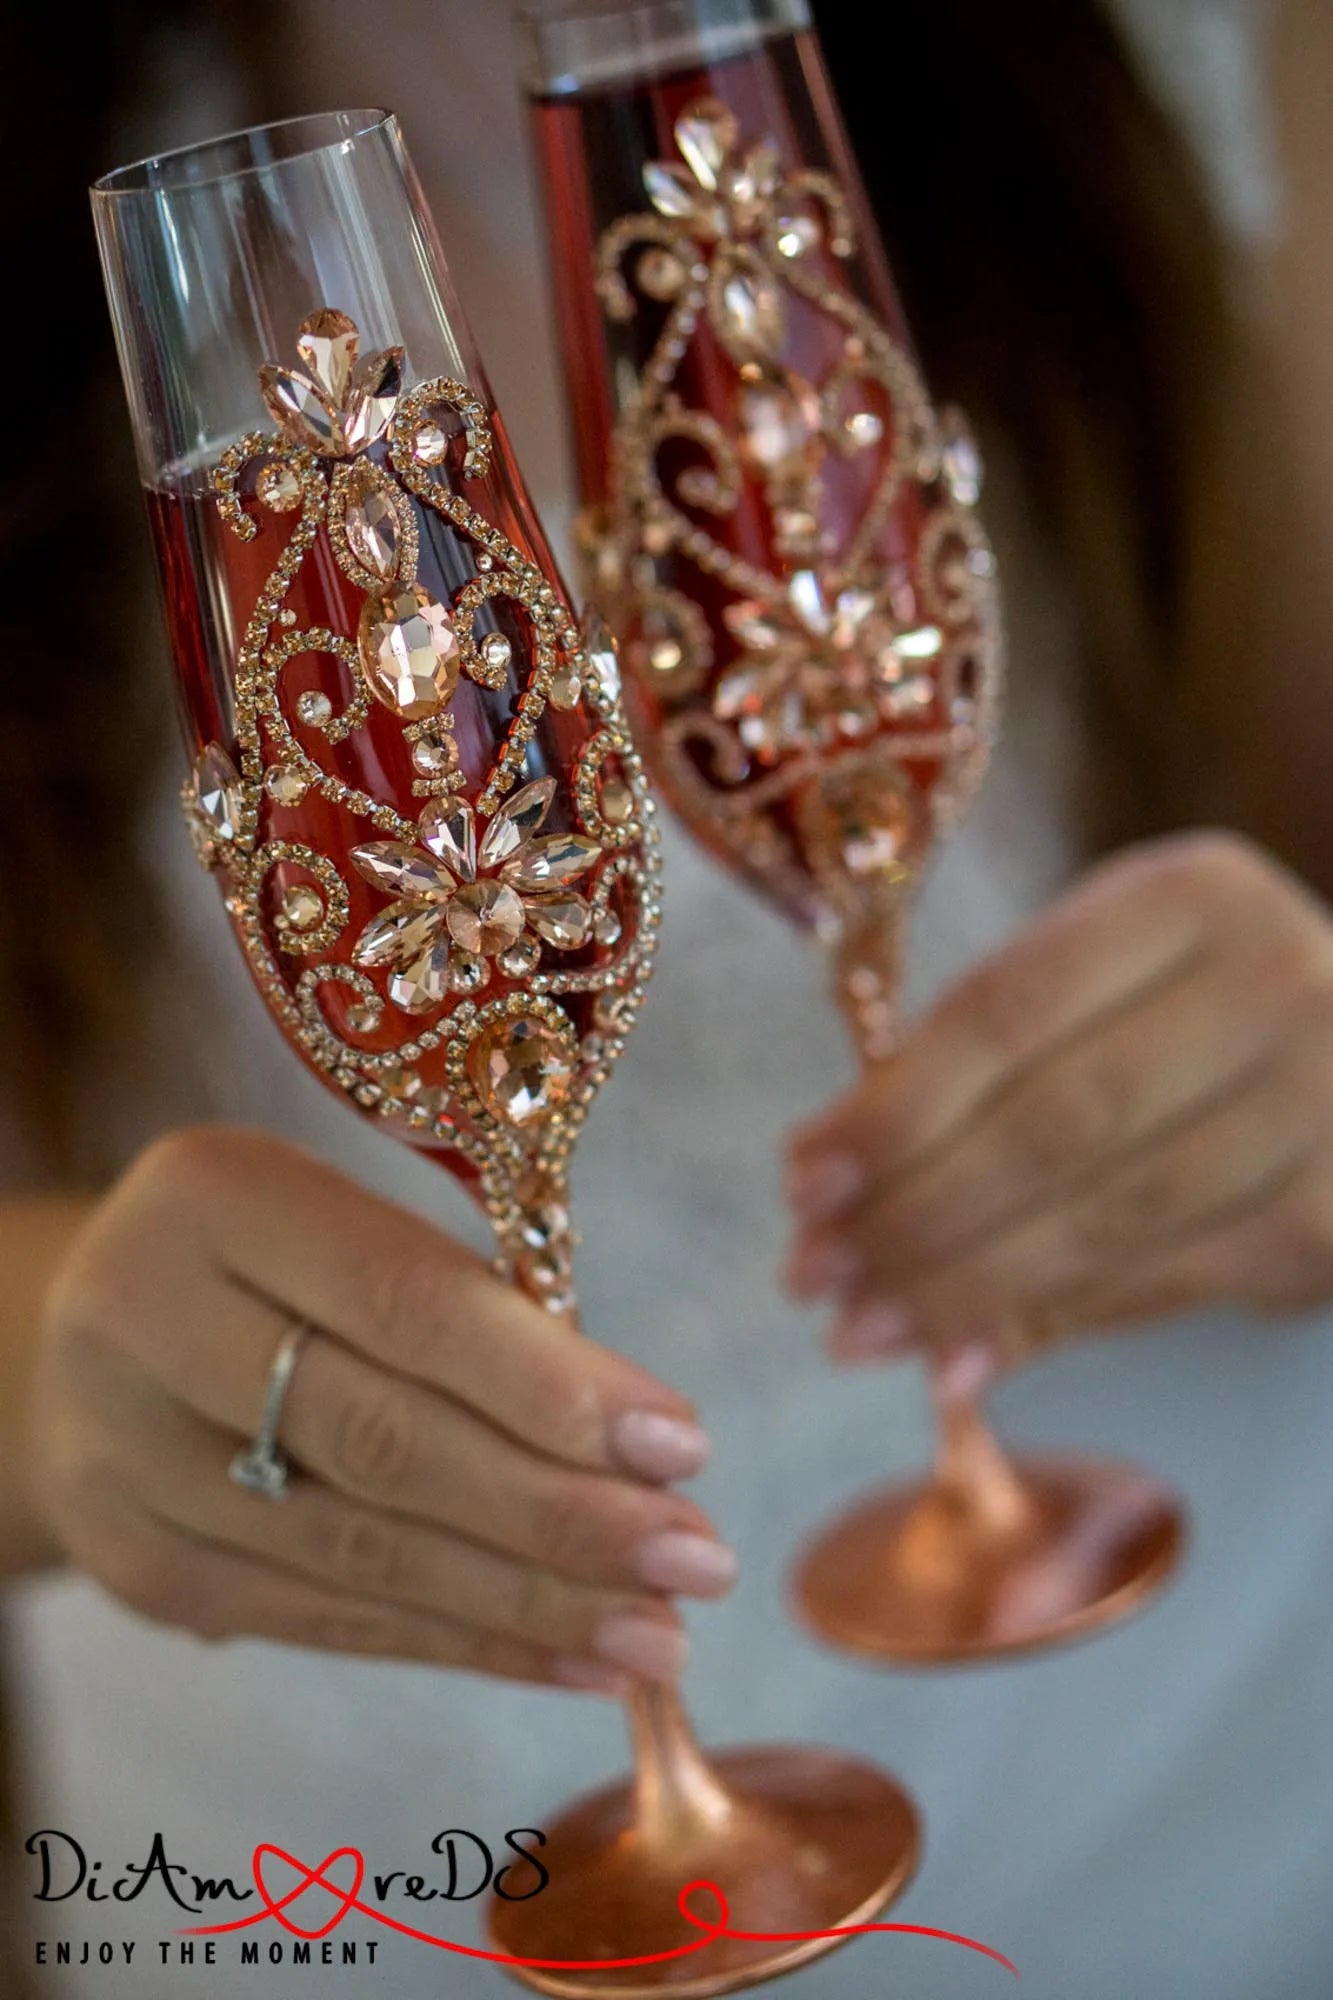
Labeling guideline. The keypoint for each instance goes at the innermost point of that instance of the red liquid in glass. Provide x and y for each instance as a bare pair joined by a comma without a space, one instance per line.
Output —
591,150
211,582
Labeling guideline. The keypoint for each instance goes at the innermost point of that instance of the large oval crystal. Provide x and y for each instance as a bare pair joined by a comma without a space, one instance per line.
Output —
522,1070
409,652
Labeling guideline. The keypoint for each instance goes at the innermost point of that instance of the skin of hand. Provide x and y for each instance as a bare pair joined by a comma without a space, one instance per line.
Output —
475,1484
35,1234
1125,1113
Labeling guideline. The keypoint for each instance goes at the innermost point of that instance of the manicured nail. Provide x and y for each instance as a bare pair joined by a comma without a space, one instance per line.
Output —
871,1331
641,1646
822,1185
659,1447
692,1564
822,1264
591,1677
968,1370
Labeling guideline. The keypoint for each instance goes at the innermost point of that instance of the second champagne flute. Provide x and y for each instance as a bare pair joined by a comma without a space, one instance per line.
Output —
783,531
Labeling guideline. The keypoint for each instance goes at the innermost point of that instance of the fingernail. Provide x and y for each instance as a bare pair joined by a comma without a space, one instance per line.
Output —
822,1264
659,1447
967,1370
693,1564
870,1331
822,1185
591,1677
649,1650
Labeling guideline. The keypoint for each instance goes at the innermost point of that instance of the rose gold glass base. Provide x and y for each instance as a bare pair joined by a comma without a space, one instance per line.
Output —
948,1571
797,1840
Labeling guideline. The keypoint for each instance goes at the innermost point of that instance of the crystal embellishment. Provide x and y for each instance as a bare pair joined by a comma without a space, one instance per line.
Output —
409,651
343,405
492,897
521,1070
217,793
371,521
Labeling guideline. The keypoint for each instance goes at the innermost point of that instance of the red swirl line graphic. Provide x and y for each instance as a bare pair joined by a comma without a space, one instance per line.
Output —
710,1930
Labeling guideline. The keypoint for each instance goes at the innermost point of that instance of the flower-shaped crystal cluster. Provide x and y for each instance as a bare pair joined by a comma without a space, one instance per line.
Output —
347,401
817,669
460,904
722,191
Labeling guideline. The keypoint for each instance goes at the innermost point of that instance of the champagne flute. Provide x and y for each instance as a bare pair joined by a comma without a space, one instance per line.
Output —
784,533
414,786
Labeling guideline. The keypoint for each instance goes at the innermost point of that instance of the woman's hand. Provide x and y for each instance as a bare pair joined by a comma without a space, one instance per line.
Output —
1127,1112
475,1484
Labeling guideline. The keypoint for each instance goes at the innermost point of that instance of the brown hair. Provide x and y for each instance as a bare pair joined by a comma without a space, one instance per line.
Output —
1063,274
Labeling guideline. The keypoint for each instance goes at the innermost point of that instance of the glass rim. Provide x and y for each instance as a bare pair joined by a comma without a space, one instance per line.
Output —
140,177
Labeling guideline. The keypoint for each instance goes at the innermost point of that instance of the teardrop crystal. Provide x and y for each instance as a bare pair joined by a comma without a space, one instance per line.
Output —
409,651
562,920
328,343
398,935
403,871
552,863
424,981
373,398
449,830
706,132
300,410
517,820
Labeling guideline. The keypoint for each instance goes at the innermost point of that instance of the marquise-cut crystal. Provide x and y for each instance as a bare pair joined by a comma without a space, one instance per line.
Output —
301,410
517,820
670,191
402,871
398,934
217,791
521,1070
751,309
371,520
705,133
327,342
422,983
601,650
409,651
373,398
449,830
485,917
562,920
552,863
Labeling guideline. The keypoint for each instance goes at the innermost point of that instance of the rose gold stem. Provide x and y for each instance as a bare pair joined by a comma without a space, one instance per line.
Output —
972,1465
867,969
675,1792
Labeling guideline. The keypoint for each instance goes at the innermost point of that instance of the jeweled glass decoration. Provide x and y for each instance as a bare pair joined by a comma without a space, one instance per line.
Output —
783,530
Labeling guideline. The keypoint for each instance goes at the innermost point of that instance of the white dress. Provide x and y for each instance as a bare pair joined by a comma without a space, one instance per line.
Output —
1150,1815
